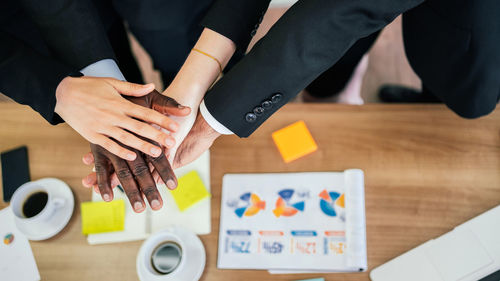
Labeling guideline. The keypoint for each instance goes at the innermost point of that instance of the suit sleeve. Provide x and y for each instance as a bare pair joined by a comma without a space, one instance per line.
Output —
311,37
29,77
71,29
237,20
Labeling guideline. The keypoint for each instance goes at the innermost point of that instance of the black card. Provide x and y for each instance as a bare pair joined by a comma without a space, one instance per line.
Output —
15,170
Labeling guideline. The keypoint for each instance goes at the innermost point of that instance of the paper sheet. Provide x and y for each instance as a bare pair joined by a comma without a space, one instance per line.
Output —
99,217
139,226
294,221
189,191
17,262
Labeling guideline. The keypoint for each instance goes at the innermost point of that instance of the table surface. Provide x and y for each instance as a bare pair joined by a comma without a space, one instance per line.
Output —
426,171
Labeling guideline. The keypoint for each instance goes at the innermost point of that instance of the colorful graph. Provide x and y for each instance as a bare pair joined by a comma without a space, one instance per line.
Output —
331,202
249,204
8,239
285,205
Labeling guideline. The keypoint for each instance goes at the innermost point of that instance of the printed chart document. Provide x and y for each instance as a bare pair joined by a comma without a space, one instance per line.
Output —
293,222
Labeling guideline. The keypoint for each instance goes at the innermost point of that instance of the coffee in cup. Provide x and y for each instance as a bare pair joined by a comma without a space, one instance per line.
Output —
35,208
35,203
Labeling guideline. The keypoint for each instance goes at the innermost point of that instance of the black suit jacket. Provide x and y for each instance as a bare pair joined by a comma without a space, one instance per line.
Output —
452,45
43,42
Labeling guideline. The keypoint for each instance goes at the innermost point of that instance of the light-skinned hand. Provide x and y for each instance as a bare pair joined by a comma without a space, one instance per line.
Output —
96,109
198,140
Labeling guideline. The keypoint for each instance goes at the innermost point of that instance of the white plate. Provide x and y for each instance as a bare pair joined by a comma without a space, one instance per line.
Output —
61,217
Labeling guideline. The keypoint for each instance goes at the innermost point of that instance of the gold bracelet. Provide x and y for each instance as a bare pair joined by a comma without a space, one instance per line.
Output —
212,57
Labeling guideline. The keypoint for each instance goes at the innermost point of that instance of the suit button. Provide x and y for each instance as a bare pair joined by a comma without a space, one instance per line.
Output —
276,98
258,110
253,32
251,117
267,104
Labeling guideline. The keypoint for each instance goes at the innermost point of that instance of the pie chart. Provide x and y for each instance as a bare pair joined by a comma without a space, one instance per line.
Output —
331,202
286,206
249,205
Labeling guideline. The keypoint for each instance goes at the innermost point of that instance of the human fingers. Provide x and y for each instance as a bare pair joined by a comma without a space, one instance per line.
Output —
167,105
130,89
114,147
131,141
90,180
147,132
157,178
114,180
163,168
88,158
102,169
152,116
128,183
146,183
198,140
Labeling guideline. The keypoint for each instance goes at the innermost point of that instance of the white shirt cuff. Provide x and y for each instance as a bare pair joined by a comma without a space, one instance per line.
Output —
104,68
216,125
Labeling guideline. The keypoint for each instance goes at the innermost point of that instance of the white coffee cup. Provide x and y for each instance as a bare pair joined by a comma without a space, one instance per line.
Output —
45,218
172,254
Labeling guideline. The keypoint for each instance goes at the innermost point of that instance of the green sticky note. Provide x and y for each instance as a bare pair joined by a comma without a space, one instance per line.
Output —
190,190
99,217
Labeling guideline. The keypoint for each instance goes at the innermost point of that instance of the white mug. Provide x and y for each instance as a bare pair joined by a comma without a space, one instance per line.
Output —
45,217
183,261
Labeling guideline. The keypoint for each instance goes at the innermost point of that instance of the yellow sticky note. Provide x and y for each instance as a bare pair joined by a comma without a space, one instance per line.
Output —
99,217
294,141
190,189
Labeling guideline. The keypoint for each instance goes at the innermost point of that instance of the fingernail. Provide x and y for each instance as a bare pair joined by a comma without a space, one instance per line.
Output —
173,126
171,184
138,206
85,184
169,142
131,157
155,204
155,151
106,197
180,106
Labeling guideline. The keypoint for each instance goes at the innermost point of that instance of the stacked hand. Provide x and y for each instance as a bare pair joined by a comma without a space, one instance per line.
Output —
96,109
192,135
138,177
135,176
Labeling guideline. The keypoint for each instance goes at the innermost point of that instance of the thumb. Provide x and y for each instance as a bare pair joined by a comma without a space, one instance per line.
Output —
131,89
169,106
177,158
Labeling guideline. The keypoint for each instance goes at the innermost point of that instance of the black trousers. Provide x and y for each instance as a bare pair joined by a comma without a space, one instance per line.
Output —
334,80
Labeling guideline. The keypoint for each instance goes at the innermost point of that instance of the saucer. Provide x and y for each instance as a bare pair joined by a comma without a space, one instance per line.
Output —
60,219
192,261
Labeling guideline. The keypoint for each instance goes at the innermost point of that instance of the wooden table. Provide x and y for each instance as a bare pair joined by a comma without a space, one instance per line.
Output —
426,169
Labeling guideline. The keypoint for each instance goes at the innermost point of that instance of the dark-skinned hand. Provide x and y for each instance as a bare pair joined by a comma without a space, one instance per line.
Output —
135,176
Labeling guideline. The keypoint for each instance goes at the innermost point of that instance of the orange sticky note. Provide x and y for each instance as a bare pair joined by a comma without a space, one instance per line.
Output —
294,141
